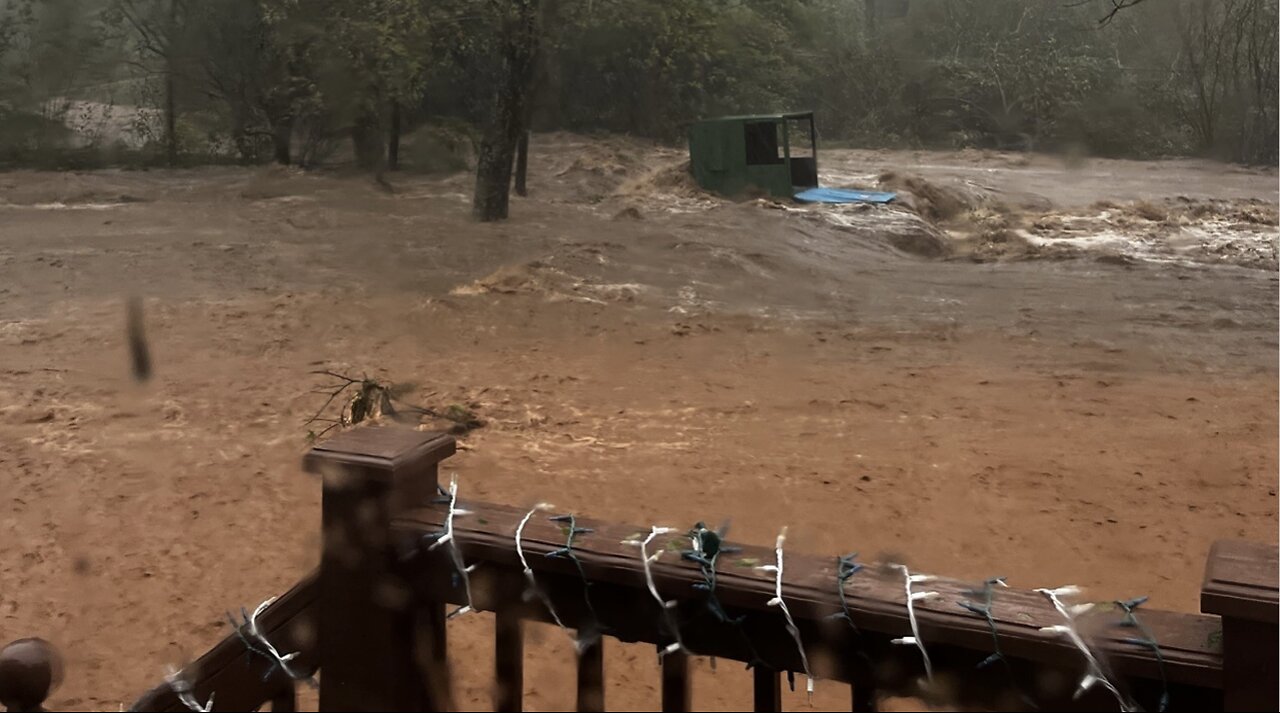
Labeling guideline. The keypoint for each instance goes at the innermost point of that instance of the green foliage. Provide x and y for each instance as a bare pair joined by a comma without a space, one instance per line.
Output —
1226,77
362,54
56,48
24,134
438,149
650,67
289,79
51,52
261,80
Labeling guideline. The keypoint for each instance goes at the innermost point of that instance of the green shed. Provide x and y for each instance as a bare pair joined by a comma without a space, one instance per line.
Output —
773,153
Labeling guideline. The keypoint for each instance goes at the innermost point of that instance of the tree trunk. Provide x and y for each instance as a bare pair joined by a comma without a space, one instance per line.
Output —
170,118
282,141
170,104
240,136
368,141
522,164
393,143
498,147
493,179
537,88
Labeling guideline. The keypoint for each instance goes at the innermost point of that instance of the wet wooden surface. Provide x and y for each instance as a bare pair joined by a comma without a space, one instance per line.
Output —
1189,643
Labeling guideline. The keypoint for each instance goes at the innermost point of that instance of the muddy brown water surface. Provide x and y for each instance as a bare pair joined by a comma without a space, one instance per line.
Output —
640,352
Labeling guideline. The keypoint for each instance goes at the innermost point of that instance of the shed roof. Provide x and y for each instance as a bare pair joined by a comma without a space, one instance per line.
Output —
759,117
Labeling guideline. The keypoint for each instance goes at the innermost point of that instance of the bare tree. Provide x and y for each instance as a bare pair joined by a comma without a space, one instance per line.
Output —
261,74
1115,7
157,26
1227,67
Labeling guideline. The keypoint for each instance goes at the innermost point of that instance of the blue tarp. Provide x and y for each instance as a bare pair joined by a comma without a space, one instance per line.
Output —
843,195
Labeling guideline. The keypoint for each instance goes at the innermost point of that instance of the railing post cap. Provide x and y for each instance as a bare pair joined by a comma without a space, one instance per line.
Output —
385,449
1240,581
30,669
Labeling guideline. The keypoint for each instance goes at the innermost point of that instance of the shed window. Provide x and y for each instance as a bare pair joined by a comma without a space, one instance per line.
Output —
762,143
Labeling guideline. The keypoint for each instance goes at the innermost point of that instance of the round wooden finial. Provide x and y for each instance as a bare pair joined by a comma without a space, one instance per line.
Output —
29,671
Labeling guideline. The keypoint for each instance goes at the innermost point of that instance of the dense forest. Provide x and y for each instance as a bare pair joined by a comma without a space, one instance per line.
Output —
86,82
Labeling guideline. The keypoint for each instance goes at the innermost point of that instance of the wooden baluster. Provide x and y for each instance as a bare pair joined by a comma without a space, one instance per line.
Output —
768,689
1240,586
591,676
286,699
675,681
522,165
864,697
508,657
369,632
430,622
30,669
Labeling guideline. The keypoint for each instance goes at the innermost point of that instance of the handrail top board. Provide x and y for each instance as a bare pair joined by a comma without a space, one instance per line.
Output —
1189,643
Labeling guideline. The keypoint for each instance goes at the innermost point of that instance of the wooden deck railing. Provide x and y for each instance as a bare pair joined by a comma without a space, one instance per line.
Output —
372,620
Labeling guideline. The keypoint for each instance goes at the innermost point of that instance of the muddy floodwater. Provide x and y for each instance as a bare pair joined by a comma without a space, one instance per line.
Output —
1063,372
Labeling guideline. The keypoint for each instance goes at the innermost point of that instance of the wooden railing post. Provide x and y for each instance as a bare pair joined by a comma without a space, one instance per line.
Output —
1240,585
369,631
30,669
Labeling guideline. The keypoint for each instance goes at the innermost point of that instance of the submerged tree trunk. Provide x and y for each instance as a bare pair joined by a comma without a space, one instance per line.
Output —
522,164
170,102
537,88
368,141
498,147
170,121
240,135
282,141
393,142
